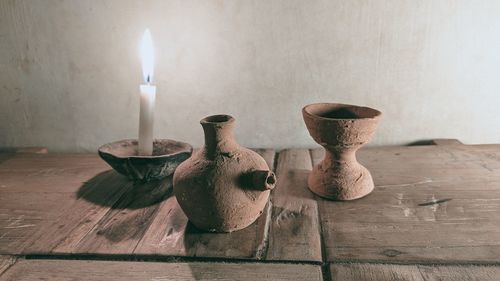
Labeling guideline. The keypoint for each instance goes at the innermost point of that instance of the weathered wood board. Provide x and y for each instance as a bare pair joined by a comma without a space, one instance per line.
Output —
295,230
121,228
43,197
95,199
23,214
120,270
431,204
171,234
384,272
28,172
6,262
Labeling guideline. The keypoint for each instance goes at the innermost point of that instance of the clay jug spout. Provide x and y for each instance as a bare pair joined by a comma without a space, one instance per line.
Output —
263,180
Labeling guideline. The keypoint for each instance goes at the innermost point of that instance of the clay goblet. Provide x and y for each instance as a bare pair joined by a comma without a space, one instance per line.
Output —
341,129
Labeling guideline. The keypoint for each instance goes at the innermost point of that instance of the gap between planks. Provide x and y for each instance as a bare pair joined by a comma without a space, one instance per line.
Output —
174,259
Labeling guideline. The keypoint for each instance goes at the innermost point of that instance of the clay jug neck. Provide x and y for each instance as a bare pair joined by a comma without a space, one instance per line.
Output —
219,137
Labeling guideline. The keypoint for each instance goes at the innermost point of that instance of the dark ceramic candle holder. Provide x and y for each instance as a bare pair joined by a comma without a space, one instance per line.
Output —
122,156
341,129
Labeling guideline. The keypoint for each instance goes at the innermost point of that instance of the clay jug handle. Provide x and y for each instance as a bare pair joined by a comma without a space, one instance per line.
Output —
263,180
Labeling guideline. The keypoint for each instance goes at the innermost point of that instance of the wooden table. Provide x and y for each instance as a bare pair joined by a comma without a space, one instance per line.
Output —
434,215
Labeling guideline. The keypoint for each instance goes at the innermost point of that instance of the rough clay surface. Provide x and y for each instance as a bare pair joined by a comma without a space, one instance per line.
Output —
167,155
221,187
341,129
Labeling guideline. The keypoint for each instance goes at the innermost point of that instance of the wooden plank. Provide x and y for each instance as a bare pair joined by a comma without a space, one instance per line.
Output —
4,156
268,155
383,272
118,270
459,273
294,232
446,142
27,172
431,204
6,262
22,214
121,228
317,155
170,234
93,201
43,197
375,272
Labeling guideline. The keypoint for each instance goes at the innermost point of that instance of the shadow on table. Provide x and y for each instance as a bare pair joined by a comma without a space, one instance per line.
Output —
113,190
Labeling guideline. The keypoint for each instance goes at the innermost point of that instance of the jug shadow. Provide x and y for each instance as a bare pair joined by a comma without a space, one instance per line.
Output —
240,244
104,188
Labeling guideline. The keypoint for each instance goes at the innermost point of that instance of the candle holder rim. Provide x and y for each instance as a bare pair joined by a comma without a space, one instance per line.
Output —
306,110
184,147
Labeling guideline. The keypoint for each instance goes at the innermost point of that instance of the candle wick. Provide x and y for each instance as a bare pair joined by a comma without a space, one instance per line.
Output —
148,79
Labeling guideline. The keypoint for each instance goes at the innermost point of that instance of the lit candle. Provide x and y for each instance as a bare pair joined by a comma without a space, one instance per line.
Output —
148,95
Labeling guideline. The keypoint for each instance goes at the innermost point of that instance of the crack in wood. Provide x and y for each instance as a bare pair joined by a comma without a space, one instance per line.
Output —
435,202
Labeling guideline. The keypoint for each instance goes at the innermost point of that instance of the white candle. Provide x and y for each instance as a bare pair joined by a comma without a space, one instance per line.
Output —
148,95
146,119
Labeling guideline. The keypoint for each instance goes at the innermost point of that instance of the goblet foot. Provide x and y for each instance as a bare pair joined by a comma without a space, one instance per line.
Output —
344,182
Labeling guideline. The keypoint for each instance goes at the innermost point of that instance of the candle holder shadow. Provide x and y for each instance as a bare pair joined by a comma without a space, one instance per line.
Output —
123,157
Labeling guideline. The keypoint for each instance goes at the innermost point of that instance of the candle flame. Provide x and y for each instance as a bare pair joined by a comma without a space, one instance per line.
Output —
147,56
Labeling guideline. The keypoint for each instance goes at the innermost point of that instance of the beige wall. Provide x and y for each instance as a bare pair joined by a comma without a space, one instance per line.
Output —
69,70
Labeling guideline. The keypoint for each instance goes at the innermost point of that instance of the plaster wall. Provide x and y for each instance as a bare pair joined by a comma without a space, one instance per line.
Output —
70,72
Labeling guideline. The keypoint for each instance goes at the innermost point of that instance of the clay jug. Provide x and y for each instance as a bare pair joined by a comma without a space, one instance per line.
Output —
222,187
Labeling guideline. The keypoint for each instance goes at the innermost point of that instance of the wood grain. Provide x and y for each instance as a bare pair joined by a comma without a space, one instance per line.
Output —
121,228
171,234
23,214
94,200
44,197
114,270
459,273
294,232
431,204
384,272
374,272
317,155
28,172
6,262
